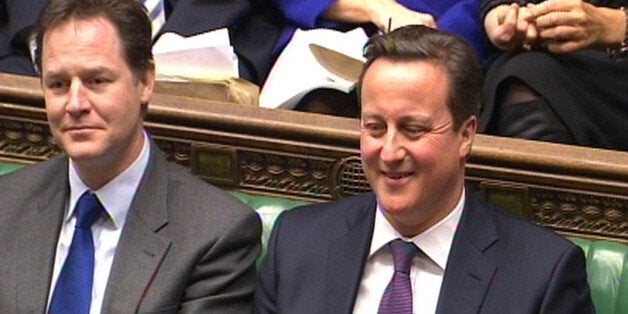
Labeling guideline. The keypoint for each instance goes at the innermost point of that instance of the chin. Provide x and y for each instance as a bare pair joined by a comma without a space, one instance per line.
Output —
395,204
82,152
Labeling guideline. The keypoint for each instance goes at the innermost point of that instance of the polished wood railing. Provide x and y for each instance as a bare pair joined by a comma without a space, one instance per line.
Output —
575,190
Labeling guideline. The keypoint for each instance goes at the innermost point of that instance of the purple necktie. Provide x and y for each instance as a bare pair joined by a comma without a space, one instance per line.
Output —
397,298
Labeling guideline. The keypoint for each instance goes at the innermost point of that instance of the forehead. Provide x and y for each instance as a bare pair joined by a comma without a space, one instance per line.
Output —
405,71
398,86
81,42
88,23
81,32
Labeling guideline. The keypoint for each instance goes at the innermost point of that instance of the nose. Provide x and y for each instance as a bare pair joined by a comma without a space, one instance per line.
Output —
392,148
78,102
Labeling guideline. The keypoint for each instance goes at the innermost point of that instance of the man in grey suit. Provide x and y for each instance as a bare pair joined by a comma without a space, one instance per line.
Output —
163,240
422,242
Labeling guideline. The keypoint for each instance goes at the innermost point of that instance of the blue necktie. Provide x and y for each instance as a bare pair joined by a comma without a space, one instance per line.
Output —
397,297
73,291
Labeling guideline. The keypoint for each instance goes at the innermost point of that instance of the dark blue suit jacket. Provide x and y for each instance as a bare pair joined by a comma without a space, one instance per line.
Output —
498,263
253,26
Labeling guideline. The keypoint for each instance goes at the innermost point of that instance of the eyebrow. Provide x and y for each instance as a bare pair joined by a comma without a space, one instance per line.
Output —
404,119
415,118
370,116
56,74
47,76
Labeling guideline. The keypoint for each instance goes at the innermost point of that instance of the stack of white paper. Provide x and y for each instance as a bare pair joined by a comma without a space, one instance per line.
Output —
297,72
206,56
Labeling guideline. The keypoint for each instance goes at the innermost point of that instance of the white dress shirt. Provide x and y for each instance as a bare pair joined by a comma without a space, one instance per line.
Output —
426,273
116,197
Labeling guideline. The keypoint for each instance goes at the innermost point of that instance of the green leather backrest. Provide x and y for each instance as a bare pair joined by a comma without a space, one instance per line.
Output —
268,209
607,269
6,168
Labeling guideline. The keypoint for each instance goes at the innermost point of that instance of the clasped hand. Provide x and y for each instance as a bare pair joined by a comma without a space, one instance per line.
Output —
561,26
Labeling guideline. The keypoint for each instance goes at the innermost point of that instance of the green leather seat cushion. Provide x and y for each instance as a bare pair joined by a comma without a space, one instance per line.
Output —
268,209
6,168
607,269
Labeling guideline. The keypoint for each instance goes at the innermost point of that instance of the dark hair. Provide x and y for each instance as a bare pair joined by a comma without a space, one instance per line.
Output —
453,54
127,16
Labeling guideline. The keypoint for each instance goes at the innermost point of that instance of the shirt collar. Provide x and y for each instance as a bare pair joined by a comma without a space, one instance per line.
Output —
115,196
435,242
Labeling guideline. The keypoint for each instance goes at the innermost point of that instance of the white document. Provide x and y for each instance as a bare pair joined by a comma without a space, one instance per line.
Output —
205,56
297,72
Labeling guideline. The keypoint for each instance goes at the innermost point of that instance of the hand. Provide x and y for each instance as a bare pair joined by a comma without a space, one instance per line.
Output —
570,25
509,27
401,16
387,15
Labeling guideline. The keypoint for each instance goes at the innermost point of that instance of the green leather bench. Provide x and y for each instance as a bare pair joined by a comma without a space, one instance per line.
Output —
6,168
607,268
268,209
607,262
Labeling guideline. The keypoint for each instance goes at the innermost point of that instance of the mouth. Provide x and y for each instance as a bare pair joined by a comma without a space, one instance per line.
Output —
81,131
397,175
79,128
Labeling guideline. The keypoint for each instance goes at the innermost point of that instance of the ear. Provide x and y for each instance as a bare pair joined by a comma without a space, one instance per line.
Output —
467,136
147,84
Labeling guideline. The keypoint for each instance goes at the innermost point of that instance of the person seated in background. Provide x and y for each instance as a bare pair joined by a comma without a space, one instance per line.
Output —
253,31
111,226
560,73
422,242
456,16
459,17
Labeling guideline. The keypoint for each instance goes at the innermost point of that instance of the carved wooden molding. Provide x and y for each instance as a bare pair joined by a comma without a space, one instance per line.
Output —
575,190
579,213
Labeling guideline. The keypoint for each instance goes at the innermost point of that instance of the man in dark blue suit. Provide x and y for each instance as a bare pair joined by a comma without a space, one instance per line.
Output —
252,27
420,97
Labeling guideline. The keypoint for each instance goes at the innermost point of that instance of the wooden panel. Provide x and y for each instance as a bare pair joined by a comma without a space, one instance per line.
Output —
575,190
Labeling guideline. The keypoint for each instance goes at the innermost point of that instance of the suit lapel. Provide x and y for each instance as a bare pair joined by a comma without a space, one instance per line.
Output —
141,248
37,236
469,271
347,256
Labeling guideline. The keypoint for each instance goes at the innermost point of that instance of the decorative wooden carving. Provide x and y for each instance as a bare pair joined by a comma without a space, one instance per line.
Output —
574,190
594,215
26,140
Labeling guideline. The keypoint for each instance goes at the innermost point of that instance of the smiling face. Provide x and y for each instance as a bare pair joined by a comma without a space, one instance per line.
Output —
93,100
411,154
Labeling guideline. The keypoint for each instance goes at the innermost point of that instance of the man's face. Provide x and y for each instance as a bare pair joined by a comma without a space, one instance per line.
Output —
93,101
411,154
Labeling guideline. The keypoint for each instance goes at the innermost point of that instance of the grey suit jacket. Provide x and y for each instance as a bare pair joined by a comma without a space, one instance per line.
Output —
497,263
186,246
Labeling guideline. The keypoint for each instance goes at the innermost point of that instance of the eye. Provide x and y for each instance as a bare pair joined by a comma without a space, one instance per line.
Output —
374,129
57,86
414,131
98,80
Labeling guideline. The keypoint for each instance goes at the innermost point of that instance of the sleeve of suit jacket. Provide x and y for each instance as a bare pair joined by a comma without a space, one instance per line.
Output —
223,279
266,290
303,14
567,291
223,276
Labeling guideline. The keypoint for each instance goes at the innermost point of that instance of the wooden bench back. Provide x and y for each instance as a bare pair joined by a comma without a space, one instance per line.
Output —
577,191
